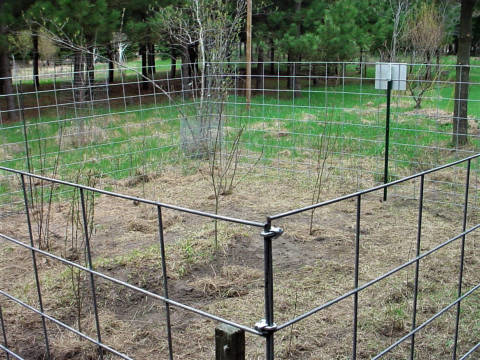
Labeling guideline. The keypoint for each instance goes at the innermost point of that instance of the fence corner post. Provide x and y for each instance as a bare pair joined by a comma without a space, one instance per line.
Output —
229,343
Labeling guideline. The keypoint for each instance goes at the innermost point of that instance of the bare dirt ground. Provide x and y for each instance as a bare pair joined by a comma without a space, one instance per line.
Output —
228,280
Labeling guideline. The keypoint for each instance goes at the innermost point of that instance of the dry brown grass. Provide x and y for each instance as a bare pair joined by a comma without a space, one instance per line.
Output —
274,130
232,281
73,136
228,280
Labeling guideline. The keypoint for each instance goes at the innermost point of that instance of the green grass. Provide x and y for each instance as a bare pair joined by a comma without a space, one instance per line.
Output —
101,72
135,139
125,134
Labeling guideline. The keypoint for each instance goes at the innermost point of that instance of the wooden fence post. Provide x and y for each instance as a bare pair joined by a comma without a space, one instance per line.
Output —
229,343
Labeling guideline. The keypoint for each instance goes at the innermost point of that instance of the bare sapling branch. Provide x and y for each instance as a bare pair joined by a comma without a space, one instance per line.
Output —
209,29
74,241
423,36
324,148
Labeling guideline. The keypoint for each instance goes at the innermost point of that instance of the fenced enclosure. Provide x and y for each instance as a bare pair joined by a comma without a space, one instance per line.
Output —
352,277
405,342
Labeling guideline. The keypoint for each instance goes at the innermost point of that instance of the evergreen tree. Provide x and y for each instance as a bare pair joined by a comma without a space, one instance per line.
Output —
10,21
83,26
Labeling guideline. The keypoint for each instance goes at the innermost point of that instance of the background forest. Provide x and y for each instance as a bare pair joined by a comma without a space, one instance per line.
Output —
286,30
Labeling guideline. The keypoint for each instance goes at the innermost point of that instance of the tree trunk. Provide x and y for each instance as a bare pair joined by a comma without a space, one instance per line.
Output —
363,66
193,60
460,110
185,70
173,66
79,91
143,54
151,59
314,75
428,70
290,71
90,66
272,57
298,8
290,59
248,57
6,84
260,83
78,76
35,58
111,65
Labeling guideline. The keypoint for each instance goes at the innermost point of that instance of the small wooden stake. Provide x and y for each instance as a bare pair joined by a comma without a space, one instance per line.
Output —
229,343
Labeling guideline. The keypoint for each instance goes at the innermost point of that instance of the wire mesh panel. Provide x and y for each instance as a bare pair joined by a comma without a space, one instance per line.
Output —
393,276
307,117
71,125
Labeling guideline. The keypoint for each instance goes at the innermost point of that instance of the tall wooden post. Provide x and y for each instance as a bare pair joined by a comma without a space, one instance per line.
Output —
248,86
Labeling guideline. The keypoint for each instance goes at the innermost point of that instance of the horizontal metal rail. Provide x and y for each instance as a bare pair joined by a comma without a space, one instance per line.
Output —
129,286
135,198
376,280
470,352
69,328
427,322
372,189
11,353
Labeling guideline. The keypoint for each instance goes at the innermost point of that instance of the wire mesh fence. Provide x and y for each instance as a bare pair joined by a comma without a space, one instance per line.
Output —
313,131
431,312
148,117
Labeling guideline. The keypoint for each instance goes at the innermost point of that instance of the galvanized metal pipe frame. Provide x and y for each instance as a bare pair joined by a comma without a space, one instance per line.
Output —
4,332
417,264
35,268
266,327
90,266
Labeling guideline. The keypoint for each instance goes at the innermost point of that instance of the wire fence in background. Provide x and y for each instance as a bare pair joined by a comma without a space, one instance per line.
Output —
146,117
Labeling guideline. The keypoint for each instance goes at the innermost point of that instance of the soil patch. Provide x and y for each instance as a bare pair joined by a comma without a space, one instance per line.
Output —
226,279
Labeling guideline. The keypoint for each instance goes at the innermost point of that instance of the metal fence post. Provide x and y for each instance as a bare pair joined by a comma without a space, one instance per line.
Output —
165,282
267,326
387,138
4,333
462,259
417,265
229,343
90,266
35,268
356,272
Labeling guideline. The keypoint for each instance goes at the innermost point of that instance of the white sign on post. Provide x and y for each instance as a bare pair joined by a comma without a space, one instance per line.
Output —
397,72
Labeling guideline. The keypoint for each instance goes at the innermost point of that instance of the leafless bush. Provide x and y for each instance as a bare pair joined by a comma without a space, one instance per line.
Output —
41,193
423,35
207,31
74,241
324,147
